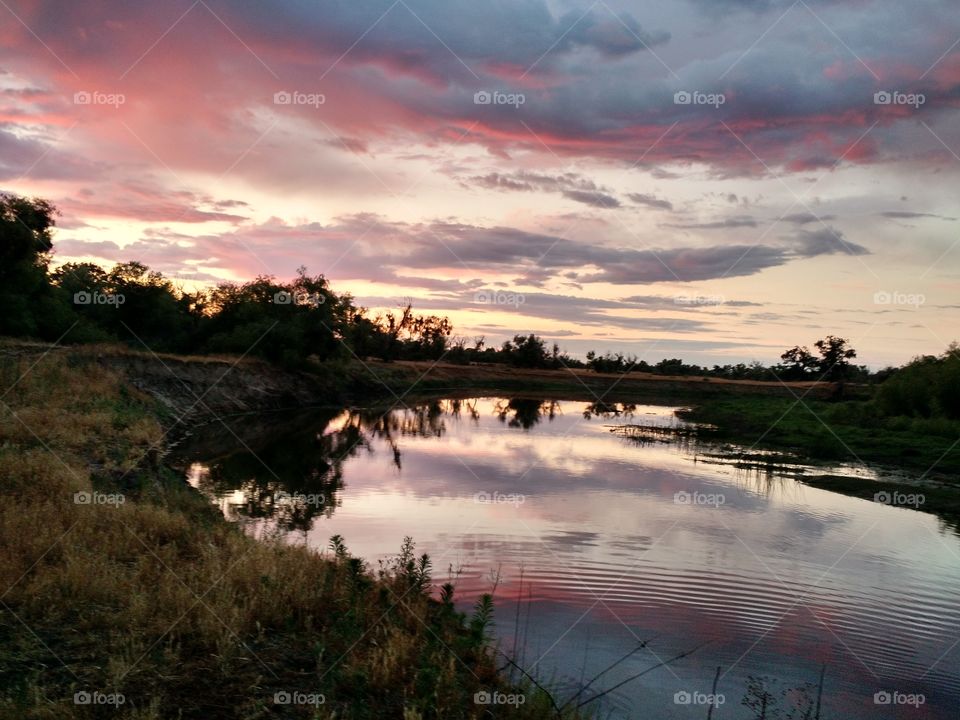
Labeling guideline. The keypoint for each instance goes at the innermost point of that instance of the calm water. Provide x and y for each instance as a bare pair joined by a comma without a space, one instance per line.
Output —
619,541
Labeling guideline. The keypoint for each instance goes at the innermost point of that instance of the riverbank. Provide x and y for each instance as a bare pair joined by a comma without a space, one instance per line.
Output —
756,418
125,594
917,456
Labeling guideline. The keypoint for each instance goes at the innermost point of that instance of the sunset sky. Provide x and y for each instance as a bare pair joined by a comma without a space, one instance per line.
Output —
710,179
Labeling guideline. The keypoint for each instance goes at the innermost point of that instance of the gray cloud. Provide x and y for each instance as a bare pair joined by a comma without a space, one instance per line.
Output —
571,185
733,222
650,201
806,218
371,248
904,215
826,241
582,311
592,198
39,159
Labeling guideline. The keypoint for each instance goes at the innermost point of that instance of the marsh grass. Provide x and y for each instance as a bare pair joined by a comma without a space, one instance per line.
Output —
844,431
160,600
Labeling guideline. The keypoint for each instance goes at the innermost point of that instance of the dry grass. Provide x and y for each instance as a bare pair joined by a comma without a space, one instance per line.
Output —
158,599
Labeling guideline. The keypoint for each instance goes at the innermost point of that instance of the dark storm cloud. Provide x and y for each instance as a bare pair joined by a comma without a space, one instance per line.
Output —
404,37
411,69
612,35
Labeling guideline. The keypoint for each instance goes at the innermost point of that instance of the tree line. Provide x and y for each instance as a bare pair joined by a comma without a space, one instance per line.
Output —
303,321
286,322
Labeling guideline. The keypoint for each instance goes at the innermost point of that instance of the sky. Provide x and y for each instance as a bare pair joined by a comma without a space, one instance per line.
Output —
715,180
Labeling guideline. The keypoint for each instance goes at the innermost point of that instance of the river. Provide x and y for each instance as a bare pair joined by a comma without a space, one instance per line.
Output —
603,544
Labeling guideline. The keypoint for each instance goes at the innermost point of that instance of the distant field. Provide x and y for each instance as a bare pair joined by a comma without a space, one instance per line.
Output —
610,387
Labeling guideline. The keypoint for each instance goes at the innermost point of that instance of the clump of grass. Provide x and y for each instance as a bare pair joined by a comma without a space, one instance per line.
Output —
853,430
144,593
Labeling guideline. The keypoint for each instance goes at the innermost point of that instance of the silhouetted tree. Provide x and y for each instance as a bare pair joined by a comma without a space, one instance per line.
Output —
799,362
31,305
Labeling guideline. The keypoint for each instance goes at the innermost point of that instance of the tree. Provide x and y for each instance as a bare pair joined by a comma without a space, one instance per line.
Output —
835,357
26,232
928,386
798,362
31,305
284,322
832,365
428,336
526,351
392,326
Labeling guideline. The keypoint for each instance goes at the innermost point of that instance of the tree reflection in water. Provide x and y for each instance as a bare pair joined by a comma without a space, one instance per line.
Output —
292,476
525,412
606,410
291,471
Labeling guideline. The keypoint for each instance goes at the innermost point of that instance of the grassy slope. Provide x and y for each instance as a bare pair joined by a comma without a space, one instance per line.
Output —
161,600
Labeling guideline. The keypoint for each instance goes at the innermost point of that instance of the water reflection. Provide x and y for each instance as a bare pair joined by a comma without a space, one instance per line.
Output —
291,469
525,412
603,409
575,511
291,478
